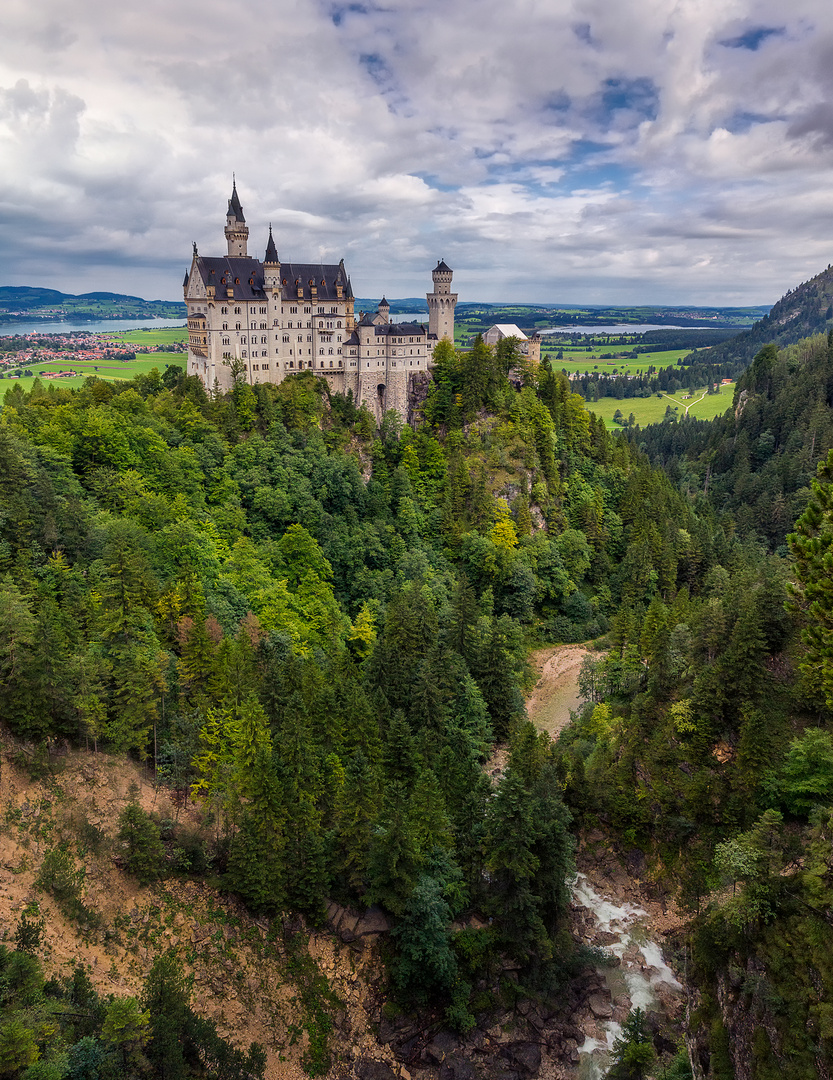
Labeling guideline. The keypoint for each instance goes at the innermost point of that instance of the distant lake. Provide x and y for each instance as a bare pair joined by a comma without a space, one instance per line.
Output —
100,326
628,328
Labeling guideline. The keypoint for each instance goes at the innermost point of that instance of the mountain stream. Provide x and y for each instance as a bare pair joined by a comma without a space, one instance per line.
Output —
612,910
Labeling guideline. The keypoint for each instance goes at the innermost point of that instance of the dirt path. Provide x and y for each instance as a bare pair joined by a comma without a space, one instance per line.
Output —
556,691
683,405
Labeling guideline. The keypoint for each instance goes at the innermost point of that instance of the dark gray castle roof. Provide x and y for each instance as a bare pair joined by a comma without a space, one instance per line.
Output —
235,210
441,265
324,276
400,330
245,277
271,250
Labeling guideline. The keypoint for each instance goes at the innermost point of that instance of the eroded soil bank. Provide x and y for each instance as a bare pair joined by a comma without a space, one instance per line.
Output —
556,691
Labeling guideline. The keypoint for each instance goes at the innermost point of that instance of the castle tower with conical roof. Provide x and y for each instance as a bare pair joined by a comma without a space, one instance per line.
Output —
441,303
237,231
271,265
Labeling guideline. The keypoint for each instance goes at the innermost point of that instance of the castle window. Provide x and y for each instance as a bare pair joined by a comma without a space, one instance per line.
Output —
286,339
331,363
237,311
275,322
321,311
338,324
263,326
289,324
339,363
293,311
226,341
237,326
265,367
263,311
300,337
243,341
291,364
225,326
320,352
331,352
264,339
255,367
307,310
244,353
224,311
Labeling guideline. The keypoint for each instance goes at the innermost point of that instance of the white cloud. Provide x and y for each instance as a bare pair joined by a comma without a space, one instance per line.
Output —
647,151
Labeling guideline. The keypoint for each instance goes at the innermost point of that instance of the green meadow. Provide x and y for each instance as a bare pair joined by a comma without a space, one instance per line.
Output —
652,410
151,336
577,361
102,369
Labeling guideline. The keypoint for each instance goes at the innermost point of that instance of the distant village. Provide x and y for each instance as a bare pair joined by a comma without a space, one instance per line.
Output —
26,350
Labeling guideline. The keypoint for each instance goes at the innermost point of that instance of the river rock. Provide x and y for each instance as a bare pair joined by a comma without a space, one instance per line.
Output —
457,1067
526,1055
366,1069
601,1006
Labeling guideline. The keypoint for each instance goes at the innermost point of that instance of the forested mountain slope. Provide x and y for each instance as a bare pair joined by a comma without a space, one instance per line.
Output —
319,631
755,464
801,312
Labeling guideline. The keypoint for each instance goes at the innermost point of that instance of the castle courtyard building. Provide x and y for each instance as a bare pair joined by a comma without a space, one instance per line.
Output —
261,321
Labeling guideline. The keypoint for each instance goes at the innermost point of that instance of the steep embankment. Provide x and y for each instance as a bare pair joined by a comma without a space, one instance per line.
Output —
245,978
556,692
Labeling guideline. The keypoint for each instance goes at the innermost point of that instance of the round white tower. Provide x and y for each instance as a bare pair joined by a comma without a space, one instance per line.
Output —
441,303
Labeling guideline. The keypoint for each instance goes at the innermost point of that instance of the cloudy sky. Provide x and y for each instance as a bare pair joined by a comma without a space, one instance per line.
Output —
598,151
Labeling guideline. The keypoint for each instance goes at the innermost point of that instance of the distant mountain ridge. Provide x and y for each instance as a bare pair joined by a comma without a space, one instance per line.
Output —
27,301
800,313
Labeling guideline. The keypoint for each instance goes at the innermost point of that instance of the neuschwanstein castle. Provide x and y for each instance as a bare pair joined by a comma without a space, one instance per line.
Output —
277,317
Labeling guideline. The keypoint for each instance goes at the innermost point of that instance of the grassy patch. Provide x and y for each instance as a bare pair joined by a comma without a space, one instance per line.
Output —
107,368
150,336
652,410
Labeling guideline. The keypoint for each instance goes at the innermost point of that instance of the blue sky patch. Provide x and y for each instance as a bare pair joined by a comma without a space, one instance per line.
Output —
753,38
636,95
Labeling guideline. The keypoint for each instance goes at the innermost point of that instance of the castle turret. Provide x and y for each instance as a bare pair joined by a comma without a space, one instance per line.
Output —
384,310
271,265
441,303
237,231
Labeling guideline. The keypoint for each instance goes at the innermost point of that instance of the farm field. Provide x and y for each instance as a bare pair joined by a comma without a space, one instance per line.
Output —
652,410
104,369
576,363
151,336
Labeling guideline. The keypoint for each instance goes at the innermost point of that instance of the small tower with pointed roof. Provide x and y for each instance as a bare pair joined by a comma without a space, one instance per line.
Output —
441,303
384,310
271,265
237,231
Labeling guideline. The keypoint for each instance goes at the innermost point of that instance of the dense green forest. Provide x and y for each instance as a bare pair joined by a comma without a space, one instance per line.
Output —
320,629
755,464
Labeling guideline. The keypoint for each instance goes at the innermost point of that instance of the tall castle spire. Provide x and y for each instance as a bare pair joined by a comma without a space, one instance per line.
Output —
271,264
237,231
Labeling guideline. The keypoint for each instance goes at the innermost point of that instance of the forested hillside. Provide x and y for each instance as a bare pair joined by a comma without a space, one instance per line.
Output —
715,711
755,464
319,631
800,313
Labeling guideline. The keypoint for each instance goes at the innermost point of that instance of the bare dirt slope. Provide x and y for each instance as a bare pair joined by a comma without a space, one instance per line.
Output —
556,691
241,976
